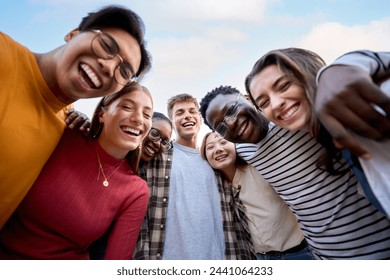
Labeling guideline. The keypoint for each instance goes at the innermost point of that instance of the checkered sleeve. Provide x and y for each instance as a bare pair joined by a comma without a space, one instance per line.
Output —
237,245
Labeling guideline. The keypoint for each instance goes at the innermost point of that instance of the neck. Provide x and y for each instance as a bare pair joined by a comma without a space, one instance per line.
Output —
229,172
191,142
110,149
47,66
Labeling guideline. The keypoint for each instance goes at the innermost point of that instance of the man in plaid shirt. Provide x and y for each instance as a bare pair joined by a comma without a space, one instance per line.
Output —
181,223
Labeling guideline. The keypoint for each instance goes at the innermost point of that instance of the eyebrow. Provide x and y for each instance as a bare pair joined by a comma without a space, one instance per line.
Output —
274,84
119,49
133,102
131,68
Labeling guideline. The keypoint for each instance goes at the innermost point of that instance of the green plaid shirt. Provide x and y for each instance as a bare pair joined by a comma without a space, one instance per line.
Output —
150,245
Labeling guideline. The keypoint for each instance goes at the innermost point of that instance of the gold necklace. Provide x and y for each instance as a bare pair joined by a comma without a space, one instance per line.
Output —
105,182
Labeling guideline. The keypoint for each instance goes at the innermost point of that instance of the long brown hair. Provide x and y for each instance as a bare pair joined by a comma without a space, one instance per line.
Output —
302,66
132,157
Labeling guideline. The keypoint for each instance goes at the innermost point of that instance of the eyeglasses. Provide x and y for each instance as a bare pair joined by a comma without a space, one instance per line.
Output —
104,46
155,136
230,115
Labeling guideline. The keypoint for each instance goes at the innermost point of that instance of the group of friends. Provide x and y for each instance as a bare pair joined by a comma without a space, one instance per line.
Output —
295,168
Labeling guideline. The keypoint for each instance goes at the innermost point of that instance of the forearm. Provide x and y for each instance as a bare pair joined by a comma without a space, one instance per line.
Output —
375,64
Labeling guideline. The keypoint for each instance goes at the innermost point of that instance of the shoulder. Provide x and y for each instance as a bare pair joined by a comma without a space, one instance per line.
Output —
139,183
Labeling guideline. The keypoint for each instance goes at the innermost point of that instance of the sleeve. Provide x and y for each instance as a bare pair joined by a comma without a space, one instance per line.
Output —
376,64
126,227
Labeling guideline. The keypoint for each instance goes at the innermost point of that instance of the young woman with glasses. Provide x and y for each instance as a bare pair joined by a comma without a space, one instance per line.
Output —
159,138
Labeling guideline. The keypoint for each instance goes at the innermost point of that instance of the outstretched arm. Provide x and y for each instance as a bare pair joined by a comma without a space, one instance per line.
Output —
349,98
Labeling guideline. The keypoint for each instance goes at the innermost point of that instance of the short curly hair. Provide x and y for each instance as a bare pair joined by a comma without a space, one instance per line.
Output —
204,103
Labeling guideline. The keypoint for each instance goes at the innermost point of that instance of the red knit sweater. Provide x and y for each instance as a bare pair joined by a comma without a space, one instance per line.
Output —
68,207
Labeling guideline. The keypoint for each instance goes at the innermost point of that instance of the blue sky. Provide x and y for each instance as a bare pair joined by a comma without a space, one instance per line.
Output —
198,45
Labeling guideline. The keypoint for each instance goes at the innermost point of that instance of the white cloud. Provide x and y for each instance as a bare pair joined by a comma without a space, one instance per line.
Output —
332,39
203,10
189,58
225,34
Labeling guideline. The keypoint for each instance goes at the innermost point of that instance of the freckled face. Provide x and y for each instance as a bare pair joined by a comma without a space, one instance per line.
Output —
281,99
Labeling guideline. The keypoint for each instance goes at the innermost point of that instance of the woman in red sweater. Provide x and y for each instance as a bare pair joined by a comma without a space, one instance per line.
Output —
89,186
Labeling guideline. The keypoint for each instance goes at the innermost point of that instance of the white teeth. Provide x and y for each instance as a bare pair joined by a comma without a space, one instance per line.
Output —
189,124
289,113
220,157
149,150
91,75
131,130
242,128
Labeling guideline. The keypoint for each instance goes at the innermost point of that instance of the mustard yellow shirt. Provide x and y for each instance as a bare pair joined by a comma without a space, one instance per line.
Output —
31,123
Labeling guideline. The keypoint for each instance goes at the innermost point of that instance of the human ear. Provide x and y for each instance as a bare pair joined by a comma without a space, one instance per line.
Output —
71,34
101,114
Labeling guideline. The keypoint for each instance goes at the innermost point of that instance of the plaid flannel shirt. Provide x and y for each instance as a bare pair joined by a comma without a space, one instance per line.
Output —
150,245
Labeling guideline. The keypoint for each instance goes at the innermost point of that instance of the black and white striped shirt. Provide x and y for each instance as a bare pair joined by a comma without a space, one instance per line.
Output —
337,220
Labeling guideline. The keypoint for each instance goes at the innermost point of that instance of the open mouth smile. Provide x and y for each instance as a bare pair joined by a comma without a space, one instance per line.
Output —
88,76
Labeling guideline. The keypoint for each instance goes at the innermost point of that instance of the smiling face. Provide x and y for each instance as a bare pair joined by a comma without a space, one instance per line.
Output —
152,149
127,122
246,127
79,73
186,121
281,99
220,153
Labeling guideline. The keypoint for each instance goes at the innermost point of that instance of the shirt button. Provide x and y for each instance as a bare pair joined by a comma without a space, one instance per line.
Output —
169,159
161,226
158,255
166,177
164,199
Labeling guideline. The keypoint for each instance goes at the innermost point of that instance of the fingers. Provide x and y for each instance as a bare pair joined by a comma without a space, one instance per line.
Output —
79,120
355,101
343,138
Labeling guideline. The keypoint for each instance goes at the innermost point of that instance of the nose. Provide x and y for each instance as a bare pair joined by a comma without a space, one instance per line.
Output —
277,102
109,65
187,115
218,148
157,143
137,117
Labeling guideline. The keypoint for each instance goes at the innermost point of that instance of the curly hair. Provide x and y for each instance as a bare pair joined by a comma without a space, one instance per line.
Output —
204,103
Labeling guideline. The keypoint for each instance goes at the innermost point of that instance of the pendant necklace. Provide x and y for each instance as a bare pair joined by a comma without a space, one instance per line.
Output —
105,182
